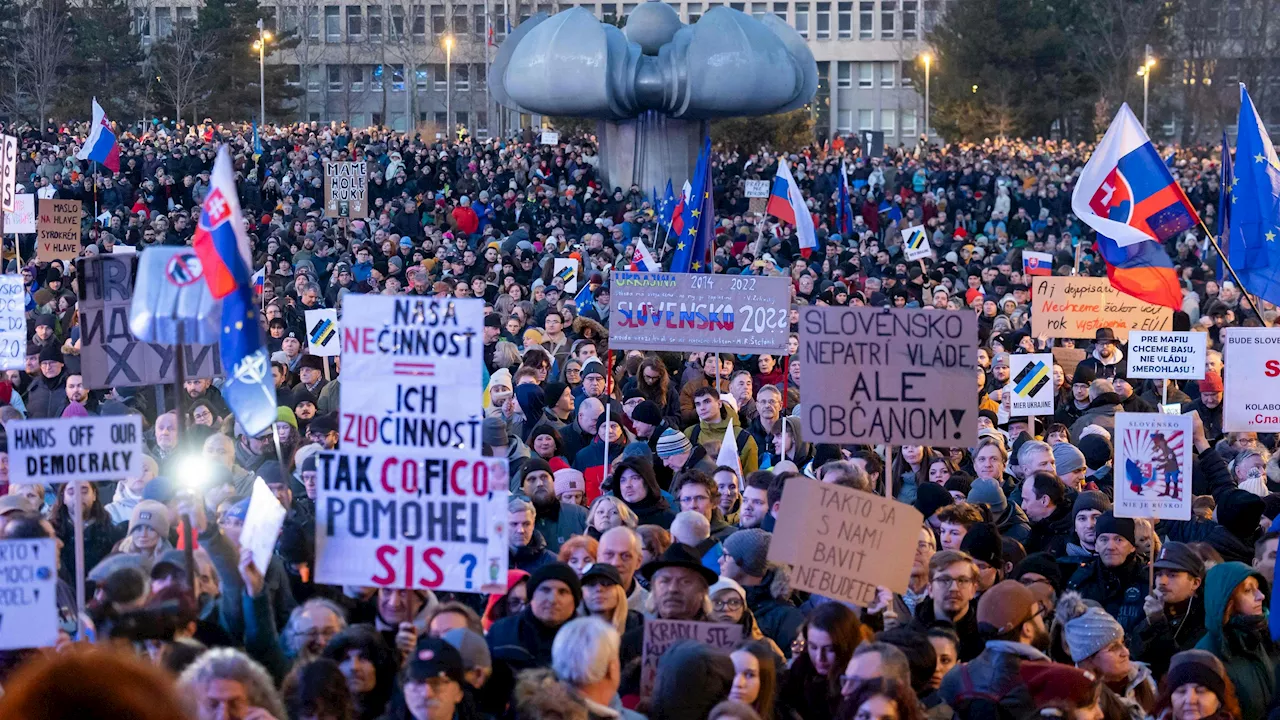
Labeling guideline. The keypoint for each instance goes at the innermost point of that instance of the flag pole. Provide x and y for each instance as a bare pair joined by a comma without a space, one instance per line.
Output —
1227,264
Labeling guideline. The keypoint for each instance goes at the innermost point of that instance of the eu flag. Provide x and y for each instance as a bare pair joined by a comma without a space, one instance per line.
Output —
1255,206
844,205
693,244
668,206
1226,183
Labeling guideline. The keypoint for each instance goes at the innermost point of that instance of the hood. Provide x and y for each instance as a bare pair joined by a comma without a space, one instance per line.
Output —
1115,359
1106,400
1219,584
537,545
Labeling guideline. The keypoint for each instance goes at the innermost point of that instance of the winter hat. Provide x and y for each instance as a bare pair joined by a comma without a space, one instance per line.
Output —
959,482
434,657
1067,458
1084,375
557,571
930,498
592,367
1239,511
569,480
982,542
285,415
648,413
750,549
1042,564
471,646
149,513
1212,382
1090,633
1050,682
1090,500
75,410
52,353
553,393
1199,667
1005,606
1178,556
493,430
692,678
239,511
672,443
988,491
1109,523
1096,450
725,583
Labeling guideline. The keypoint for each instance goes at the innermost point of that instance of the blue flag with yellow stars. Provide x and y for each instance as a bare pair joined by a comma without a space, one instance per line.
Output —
694,243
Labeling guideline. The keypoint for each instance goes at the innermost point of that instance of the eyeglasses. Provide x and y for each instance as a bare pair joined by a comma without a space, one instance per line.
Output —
732,603
945,581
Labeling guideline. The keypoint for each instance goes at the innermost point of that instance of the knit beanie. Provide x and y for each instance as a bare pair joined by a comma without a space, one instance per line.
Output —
557,571
673,442
930,498
1090,500
648,413
1109,523
1096,450
493,431
1067,458
983,542
1239,511
1042,564
1091,632
569,480
149,513
988,491
592,367
1198,667
750,549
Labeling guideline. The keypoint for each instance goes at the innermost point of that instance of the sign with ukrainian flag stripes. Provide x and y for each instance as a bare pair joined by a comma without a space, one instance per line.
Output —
915,243
322,332
1031,385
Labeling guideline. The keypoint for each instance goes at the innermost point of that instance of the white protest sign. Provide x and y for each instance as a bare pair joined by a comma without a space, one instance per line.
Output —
1153,466
8,173
550,137
1251,391
23,217
13,323
63,449
1031,385
262,524
755,188
1169,355
28,594
567,270
915,243
322,332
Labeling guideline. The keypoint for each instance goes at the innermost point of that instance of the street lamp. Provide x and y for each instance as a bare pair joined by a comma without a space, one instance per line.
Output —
261,46
928,65
448,86
1145,73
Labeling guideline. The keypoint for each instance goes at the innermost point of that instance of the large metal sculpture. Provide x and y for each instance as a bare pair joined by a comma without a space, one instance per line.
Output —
655,84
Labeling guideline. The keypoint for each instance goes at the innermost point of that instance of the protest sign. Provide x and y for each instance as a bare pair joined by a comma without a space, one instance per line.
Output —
682,312
110,354
915,243
23,217
58,230
8,173
875,375
346,189
550,137
1077,306
1153,466
1251,398
755,188
567,270
660,635
87,448
843,543
28,594
262,524
322,333
1031,388
13,323
1168,355
1068,358
411,520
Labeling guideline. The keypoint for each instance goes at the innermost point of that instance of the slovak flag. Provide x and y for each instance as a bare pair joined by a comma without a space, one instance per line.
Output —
677,213
1126,194
223,248
1036,263
102,145
259,280
641,259
787,204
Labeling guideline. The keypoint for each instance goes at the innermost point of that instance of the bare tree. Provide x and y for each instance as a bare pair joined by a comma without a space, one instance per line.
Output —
43,48
182,64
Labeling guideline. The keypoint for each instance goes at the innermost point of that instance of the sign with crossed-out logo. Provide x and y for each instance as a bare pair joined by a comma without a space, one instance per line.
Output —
1031,387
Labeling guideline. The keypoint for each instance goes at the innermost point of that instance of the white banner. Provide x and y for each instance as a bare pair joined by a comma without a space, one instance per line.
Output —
1168,355
23,217
755,188
1031,384
13,323
1153,466
323,338
262,524
28,593
8,173
63,449
1251,397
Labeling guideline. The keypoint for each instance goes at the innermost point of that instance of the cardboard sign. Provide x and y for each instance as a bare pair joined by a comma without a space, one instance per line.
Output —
13,323
110,354
1251,397
323,339
682,312
63,449
23,217
1153,466
1077,306
844,543
550,137
262,524
660,635
8,173
1031,384
411,520
346,189
1169,355
915,243
29,594
1068,358
58,230
567,270
755,188
875,375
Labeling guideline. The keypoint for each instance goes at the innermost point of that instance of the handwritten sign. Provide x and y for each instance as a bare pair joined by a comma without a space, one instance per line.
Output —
1153,466
22,219
1076,307
1169,355
58,230
62,449
550,137
13,323
1031,387
660,635
8,173
902,376
682,312
29,594
755,188
1251,398
844,543
346,189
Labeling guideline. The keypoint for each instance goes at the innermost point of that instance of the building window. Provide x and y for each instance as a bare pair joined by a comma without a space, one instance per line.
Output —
442,119
802,19
886,74
499,22
482,124
844,20
357,78
824,20
289,18
865,119
335,78
478,28
627,8
312,15
397,77
461,78
188,15
460,21
522,12
695,12
396,28
462,117
905,73
439,26
268,17
375,81
908,123
355,22
844,74
419,28
866,72
910,14
313,117
164,22
376,119
482,76
609,12
844,122
780,9
375,23
420,80
889,122
293,75
439,82
332,24
313,78
866,20
142,23
888,14
759,10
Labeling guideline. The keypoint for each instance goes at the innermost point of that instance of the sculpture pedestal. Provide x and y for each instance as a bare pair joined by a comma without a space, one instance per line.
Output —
649,150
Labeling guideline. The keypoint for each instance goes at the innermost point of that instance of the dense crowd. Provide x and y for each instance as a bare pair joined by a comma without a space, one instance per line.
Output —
1027,595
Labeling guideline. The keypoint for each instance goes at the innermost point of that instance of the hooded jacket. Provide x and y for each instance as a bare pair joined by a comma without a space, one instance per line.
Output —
710,435
533,556
1243,643
1013,523
1051,534
1120,591
775,613
522,641
994,673
1102,412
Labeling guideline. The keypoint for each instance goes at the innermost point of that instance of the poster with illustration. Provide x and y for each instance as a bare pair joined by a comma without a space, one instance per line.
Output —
1153,466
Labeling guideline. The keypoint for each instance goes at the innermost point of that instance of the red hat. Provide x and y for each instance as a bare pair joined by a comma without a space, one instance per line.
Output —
1054,682
971,294
1212,382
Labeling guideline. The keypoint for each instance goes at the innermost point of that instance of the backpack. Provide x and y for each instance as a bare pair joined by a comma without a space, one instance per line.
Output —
974,704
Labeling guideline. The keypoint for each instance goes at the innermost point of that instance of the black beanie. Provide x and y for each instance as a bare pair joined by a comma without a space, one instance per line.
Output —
557,571
1096,450
930,498
648,413
1085,374
1109,523
982,542
1042,564
1239,511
